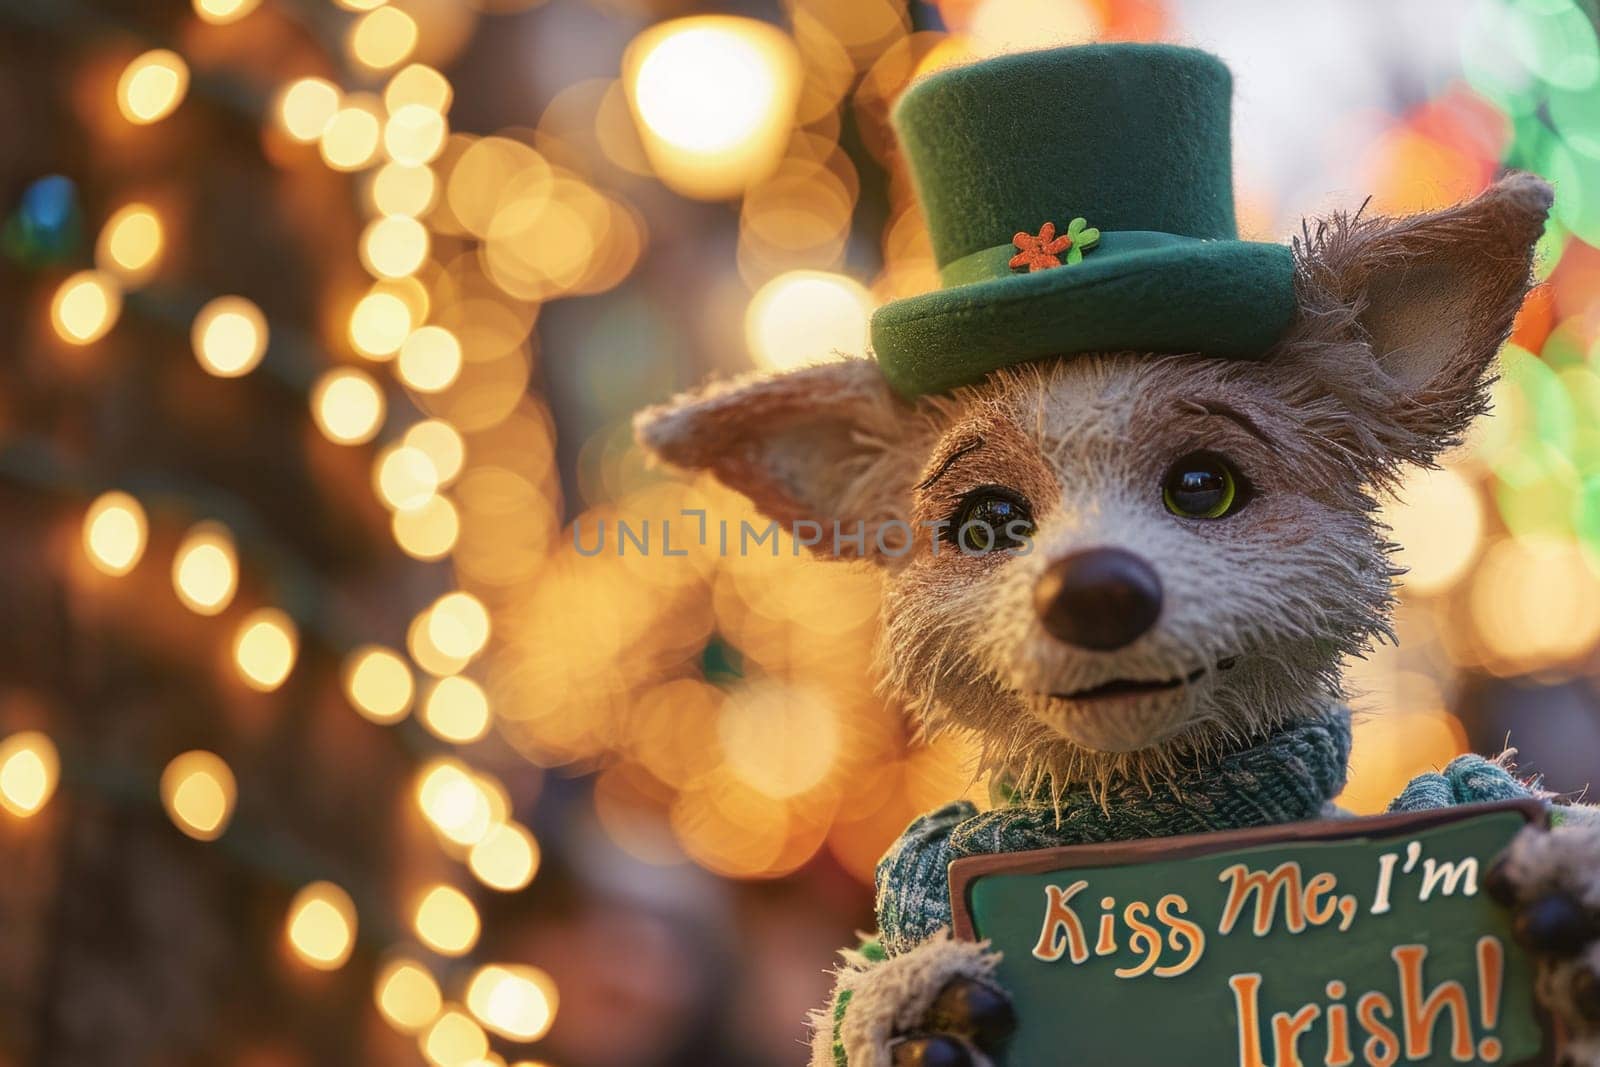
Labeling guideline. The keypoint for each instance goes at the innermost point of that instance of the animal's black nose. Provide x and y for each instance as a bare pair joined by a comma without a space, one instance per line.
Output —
1100,598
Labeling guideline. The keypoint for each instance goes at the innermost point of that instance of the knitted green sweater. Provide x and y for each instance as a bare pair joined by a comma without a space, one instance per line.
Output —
1292,775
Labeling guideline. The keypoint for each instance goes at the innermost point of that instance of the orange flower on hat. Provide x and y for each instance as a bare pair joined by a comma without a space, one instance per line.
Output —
1041,251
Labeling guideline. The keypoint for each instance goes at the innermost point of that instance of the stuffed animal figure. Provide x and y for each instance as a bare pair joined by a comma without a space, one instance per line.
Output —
1119,473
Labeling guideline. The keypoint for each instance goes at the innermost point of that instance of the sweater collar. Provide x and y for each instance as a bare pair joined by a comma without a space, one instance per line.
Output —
1292,773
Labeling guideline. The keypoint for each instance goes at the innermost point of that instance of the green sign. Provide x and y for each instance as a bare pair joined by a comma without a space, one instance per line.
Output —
1334,944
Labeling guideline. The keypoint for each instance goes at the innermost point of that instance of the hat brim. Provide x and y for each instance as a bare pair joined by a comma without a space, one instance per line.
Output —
1229,299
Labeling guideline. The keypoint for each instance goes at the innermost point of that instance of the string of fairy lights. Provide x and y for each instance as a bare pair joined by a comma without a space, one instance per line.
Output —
395,135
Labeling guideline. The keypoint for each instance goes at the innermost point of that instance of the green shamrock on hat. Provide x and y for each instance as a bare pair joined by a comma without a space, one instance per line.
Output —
1083,237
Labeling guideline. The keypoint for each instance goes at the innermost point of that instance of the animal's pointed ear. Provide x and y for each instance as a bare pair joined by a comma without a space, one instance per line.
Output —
830,444
1402,317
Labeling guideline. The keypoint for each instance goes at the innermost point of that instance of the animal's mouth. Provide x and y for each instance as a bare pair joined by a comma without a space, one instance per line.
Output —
1131,687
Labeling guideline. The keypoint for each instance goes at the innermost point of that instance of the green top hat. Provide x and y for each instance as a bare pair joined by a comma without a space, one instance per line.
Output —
1080,200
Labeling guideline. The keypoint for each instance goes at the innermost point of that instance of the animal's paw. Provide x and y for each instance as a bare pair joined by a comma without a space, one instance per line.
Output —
1551,881
968,1020
936,1005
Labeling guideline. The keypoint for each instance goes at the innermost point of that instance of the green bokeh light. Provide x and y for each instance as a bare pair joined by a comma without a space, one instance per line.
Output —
1551,421
1566,347
1555,41
1575,114
1583,387
1548,252
1541,505
1490,67
1586,519
1577,181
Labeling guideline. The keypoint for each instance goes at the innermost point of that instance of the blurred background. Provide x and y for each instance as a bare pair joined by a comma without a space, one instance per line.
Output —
322,743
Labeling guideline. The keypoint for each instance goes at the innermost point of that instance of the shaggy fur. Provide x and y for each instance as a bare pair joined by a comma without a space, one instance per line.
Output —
1385,365
1567,860
888,997
1291,585
803,447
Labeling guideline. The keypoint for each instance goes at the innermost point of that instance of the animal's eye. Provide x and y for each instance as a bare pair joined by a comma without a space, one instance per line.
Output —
1203,485
988,518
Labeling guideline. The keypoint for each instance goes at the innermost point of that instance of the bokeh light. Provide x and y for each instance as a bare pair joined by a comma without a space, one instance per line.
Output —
229,336
114,533
379,325
456,710
446,921
29,770
378,683
517,1002
306,107
348,406
382,38
997,27
85,307
130,244
265,647
205,570
780,740
427,655
430,360
418,84
322,926
428,532
415,135
505,858
491,169
458,625
714,97
454,1040
1439,527
398,189
407,995
442,444
222,12
1536,603
349,140
404,477
198,791
807,317
455,802
152,86
394,246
